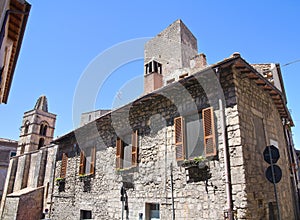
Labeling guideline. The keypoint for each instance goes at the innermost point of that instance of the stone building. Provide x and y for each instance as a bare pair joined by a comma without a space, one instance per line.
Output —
30,174
190,148
13,20
8,149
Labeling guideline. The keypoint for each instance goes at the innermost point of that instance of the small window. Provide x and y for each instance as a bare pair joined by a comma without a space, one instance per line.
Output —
41,143
170,81
22,149
26,127
152,211
13,153
87,162
183,76
85,214
127,151
153,67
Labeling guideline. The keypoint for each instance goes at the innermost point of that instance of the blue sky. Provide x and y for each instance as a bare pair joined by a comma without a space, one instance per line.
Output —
63,37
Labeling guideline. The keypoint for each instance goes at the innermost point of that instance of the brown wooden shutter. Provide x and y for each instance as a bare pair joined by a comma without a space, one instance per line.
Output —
63,168
119,154
93,159
179,138
82,163
209,132
135,154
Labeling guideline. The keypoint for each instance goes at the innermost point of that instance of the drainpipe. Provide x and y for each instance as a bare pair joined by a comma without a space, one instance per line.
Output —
172,193
226,161
291,159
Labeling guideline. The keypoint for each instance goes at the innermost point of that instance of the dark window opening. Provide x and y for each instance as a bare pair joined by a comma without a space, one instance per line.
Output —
26,127
152,211
153,67
41,142
183,76
22,149
170,81
13,153
85,214
43,129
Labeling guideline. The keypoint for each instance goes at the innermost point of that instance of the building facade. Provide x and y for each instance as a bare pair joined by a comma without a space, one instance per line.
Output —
13,20
8,149
190,148
30,174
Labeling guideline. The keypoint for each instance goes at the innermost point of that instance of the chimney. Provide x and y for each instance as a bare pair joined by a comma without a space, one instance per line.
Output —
198,61
153,78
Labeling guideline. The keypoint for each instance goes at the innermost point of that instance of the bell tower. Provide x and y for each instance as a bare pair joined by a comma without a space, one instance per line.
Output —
30,172
37,127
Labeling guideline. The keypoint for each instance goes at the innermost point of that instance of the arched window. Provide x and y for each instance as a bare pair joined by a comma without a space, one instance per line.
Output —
43,129
26,127
41,142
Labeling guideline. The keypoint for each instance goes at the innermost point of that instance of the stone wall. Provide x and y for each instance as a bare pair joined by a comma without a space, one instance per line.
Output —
151,179
255,104
153,117
28,205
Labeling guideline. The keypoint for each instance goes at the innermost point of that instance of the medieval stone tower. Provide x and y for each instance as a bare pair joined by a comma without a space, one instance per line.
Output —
170,55
30,173
37,127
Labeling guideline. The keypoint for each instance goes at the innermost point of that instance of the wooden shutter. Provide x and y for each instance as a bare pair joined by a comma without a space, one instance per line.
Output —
209,132
179,138
82,163
93,159
63,167
119,154
135,154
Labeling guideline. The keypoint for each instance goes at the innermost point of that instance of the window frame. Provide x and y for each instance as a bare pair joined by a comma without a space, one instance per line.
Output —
209,135
120,146
83,162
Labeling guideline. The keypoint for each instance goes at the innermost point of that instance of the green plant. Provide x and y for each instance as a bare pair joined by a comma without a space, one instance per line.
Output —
197,161
59,180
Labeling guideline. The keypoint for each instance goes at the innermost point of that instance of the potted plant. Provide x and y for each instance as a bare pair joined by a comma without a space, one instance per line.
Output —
84,177
59,180
200,162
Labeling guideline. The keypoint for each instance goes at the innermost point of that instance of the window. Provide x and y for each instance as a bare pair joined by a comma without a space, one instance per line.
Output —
195,135
183,76
63,167
41,143
127,151
260,136
12,154
43,129
153,67
85,214
170,81
26,127
87,162
152,211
